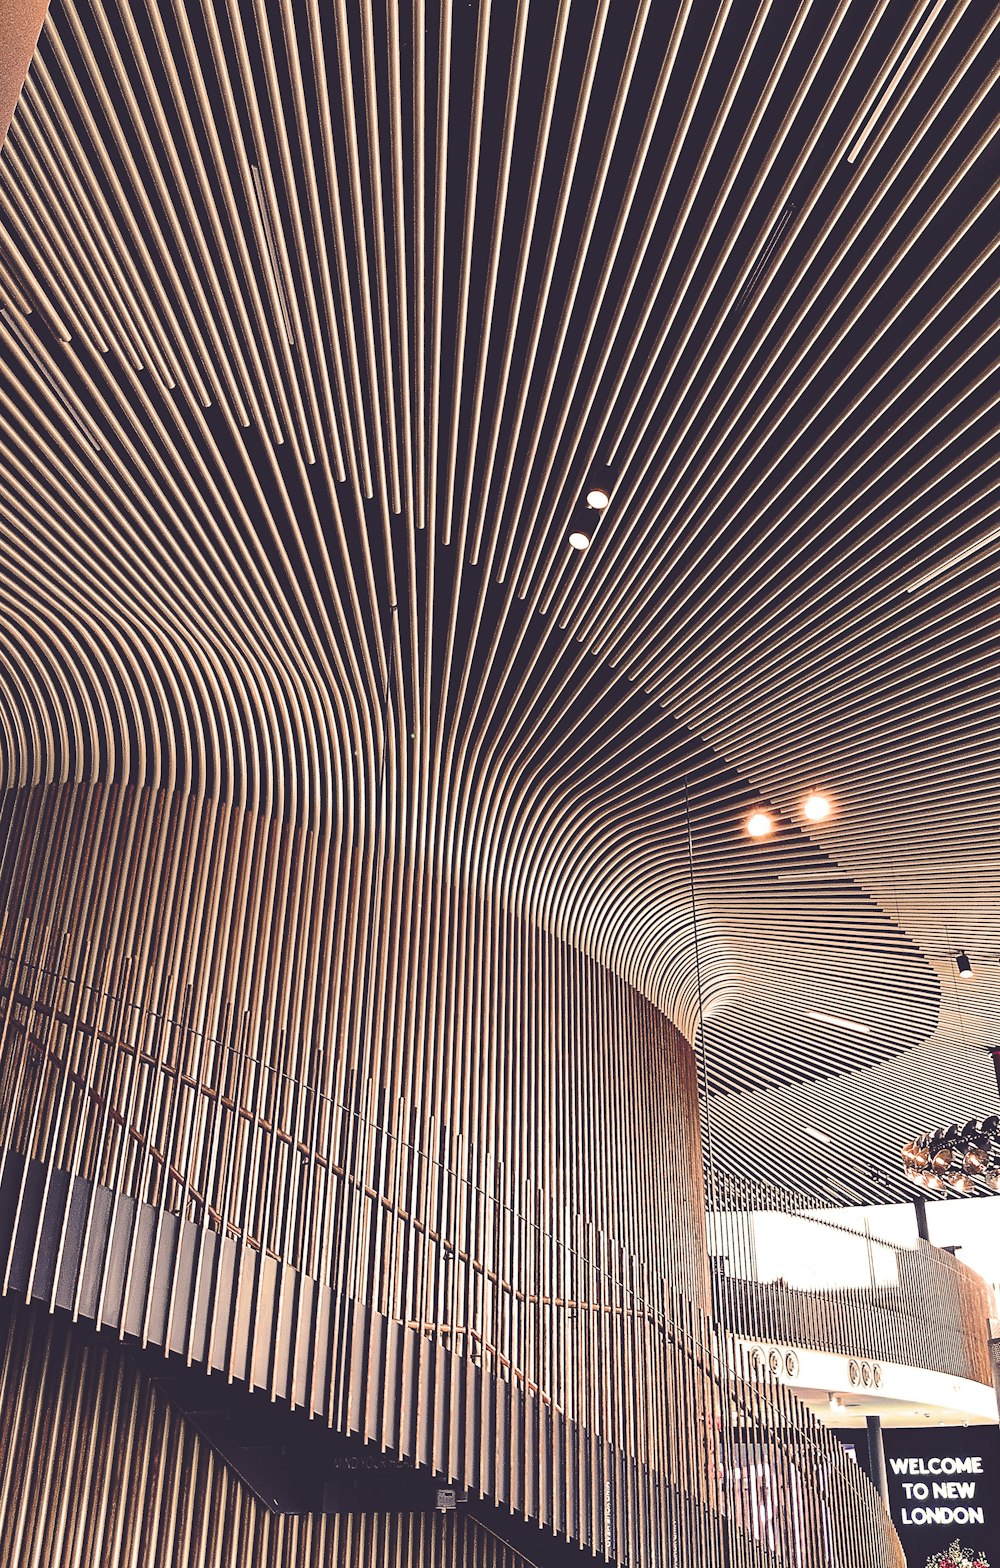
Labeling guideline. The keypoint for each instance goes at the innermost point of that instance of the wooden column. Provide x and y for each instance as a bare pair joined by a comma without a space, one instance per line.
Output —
20,24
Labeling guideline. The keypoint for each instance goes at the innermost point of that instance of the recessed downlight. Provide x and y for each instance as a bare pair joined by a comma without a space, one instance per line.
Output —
759,824
817,807
839,1023
821,1137
597,500
578,541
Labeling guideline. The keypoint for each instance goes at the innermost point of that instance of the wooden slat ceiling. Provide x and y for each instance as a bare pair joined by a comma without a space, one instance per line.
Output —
319,321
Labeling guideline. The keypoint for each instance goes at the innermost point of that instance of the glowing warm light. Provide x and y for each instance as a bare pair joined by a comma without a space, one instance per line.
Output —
759,824
963,964
816,808
579,541
821,1137
597,500
839,1023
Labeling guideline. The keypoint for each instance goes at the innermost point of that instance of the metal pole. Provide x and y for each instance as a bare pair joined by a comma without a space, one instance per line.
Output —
920,1208
876,1458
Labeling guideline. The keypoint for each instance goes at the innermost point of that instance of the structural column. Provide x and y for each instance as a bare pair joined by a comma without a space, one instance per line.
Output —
876,1458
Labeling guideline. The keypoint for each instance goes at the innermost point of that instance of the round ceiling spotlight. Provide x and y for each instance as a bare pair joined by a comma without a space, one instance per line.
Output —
579,541
598,500
759,824
963,963
816,807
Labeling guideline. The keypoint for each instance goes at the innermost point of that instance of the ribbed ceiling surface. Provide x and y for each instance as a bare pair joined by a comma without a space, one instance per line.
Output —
318,323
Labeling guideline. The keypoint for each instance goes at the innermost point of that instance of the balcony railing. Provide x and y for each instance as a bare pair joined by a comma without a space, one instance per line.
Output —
843,1290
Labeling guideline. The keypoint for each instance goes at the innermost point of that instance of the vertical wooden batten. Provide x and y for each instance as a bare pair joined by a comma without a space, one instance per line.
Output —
20,24
352,1013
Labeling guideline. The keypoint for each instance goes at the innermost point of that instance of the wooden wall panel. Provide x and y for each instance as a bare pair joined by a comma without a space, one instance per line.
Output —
353,927
138,948
480,1246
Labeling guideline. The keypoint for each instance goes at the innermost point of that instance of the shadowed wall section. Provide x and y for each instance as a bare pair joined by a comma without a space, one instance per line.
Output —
97,1469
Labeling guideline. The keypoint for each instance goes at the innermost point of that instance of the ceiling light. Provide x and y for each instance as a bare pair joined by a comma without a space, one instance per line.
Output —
816,808
579,541
963,963
759,824
821,1137
597,500
976,1159
839,1023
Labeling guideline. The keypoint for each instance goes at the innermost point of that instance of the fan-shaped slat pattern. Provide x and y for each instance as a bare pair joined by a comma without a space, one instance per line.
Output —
327,318
369,852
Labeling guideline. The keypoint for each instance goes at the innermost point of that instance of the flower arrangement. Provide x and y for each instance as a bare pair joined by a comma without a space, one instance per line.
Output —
957,1556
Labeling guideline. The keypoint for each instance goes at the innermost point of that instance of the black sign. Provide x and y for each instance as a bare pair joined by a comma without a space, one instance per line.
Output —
944,1487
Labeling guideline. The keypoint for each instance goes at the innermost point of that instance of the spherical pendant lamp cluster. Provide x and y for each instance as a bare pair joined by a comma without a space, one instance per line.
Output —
953,1157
